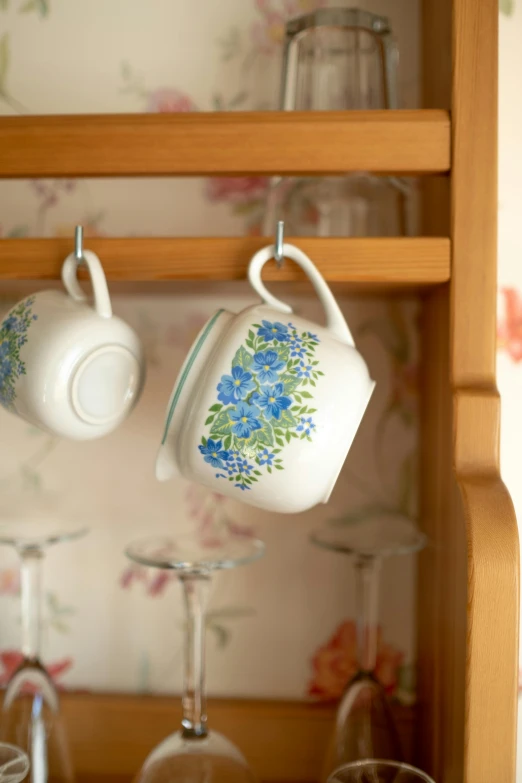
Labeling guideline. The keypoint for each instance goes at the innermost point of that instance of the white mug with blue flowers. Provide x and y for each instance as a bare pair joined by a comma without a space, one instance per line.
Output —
72,369
267,404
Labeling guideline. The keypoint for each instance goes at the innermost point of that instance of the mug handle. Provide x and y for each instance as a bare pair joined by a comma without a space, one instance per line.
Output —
335,321
102,301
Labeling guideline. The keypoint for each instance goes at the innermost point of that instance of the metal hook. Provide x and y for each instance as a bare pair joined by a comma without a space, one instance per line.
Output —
78,244
280,236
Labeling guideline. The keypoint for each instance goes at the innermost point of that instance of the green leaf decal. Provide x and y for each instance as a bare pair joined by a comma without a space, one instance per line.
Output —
287,420
265,436
242,358
223,424
284,354
290,383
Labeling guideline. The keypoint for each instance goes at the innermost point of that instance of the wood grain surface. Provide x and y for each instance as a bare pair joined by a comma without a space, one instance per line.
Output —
393,261
469,579
111,735
228,143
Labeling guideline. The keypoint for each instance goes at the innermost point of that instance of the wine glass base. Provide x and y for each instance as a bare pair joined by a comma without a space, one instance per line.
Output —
382,535
377,771
185,554
209,759
14,764
35,521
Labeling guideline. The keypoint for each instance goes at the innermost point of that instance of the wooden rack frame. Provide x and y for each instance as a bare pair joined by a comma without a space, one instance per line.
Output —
469,578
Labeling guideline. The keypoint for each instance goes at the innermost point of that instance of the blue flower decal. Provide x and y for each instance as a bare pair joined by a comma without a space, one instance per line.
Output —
306,426
273,331
272,400
266,458
214,453
10,323
13,336
298,350
236,386
246,418
267,366
305,370
263,404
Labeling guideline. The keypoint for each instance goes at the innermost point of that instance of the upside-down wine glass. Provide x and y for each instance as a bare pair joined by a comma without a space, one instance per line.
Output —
194,754
365,728
14,764
377,771
31,709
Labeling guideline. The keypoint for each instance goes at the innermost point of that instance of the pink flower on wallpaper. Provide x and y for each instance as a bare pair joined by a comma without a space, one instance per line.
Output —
207,509
133,573
154,581
510,324
12,659
236,190
335,663
168,100
159,581
9,581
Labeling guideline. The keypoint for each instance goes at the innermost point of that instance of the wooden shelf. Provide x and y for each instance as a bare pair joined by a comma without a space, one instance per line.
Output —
111,735
383,262
231,143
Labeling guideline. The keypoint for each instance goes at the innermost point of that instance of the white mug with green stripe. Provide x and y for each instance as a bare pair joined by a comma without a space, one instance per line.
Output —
267,404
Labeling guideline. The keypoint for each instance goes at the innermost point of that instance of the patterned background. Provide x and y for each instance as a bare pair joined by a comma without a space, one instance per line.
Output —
111,626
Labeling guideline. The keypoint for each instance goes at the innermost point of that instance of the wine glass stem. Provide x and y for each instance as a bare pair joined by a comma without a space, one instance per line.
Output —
367,570
195,591
30,578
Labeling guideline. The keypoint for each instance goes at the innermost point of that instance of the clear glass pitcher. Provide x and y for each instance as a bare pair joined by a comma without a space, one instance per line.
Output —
338,59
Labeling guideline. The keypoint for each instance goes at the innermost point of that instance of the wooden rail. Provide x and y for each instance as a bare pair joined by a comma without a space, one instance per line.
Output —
230,143
383,262
111,735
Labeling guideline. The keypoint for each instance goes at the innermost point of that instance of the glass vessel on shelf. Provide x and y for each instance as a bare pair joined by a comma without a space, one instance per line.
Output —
195,754
30,716
365,727
337,59
376,771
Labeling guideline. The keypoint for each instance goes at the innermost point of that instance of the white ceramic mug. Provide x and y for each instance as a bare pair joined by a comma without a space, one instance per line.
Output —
70,368
267,404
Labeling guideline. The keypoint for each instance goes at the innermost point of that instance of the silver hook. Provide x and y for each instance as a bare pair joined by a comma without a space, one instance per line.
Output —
78,244
280,238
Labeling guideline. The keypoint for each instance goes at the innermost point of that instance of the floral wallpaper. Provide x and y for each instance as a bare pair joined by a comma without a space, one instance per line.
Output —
89,583
298,601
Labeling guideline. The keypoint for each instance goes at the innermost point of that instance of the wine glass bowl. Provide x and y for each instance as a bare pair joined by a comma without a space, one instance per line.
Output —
211,757
377,771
